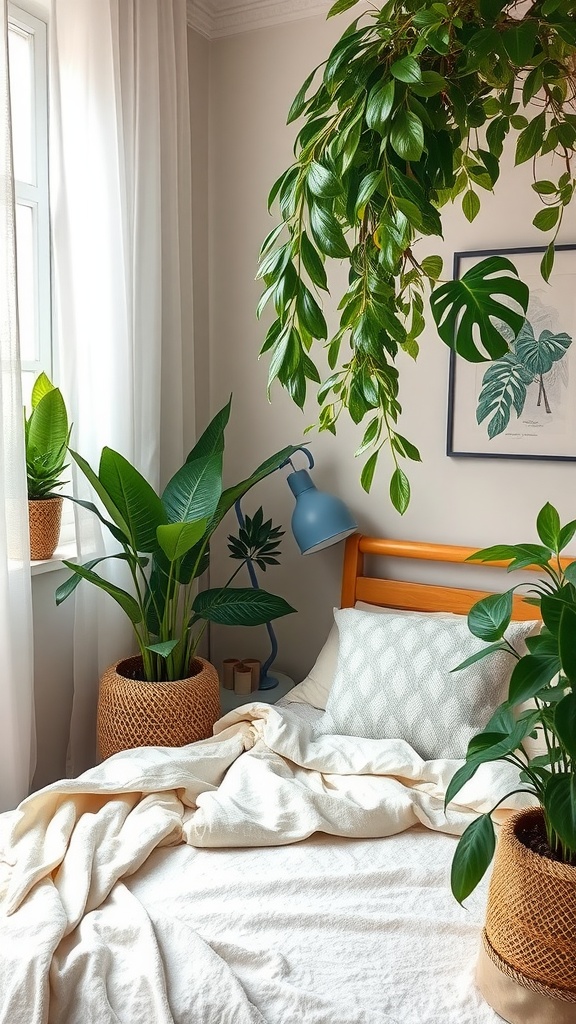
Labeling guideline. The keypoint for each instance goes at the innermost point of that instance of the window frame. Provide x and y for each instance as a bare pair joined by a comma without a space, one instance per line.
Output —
36,195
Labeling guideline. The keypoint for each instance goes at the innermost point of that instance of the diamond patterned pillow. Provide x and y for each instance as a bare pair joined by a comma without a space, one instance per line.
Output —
393,680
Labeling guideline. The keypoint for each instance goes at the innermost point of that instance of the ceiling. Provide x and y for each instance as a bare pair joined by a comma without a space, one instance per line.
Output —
214,18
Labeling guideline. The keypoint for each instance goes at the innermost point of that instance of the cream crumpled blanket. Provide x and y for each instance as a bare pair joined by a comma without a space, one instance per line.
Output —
73,939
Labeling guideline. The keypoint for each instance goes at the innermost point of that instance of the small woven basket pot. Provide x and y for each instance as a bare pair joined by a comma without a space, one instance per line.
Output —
134,713
44,517
530,933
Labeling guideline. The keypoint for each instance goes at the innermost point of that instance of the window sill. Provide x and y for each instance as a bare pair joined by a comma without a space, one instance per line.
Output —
65,551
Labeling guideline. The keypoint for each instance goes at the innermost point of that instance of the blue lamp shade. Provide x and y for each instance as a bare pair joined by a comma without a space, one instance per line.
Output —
319,519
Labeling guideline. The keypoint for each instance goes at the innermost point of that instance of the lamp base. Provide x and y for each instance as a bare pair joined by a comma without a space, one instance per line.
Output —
268,682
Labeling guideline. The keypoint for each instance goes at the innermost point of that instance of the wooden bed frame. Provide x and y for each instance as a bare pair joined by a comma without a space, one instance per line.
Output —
356,586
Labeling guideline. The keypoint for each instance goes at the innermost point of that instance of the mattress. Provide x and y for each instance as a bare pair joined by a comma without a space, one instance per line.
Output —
328,930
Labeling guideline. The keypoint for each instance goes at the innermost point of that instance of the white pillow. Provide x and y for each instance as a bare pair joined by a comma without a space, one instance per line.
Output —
314,689
393,680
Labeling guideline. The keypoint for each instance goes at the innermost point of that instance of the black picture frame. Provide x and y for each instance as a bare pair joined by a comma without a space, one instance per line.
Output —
533,438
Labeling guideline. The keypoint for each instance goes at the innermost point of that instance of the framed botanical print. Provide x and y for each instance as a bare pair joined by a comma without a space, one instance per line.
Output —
523,405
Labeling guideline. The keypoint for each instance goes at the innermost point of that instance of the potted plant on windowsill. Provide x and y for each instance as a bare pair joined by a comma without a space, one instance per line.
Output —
527,969
166,694
46,433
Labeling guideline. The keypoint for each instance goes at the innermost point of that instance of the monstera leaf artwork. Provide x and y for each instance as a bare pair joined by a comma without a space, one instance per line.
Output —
530,364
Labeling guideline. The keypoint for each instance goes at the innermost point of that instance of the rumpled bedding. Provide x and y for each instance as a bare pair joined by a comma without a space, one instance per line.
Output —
77,945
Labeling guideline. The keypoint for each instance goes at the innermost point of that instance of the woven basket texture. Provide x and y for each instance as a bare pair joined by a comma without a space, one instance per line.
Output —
133,713
531,914
44,518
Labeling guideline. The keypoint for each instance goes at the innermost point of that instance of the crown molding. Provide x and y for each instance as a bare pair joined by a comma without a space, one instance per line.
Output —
215,18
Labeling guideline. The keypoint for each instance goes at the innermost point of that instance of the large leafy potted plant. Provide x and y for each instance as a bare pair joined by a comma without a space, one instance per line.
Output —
530,933
166,694
46,433
410,111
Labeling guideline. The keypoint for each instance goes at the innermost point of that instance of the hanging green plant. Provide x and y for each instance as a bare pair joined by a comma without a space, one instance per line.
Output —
411,112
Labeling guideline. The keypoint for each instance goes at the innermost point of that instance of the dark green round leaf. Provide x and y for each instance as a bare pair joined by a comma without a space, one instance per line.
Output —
489,618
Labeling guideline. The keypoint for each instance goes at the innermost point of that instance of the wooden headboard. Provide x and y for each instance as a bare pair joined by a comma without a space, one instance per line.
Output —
356,586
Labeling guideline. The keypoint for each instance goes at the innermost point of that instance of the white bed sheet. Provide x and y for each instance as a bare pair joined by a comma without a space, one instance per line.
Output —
329,930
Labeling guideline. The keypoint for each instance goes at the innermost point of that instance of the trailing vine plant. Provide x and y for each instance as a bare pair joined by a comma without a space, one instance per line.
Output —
411,111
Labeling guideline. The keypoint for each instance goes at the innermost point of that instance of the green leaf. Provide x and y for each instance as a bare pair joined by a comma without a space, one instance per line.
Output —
479,656
47,430
367,475
519,42
565,723
42,385
566,534
368,186
164,649
313,263
69,585
507,744
431,84
194,490
322,182
547,263
176,539
406,70
489,618
473,857
102,493
544,188
211,441
432,266
532,85
567,642
531,139
125,600
560,804
399,490
546,219
234,606
470,205
340,6
379,106
504,385
530,675
477,302
299,101
137,502
548,526
327,233
407,135
310,314
540,355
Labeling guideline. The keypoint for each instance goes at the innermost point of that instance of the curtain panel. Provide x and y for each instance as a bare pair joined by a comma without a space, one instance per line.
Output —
121,225
17,736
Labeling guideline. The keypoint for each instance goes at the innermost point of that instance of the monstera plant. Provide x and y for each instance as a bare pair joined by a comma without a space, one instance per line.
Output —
410,111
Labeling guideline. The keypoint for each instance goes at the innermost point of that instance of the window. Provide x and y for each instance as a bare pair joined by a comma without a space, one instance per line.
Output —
29,107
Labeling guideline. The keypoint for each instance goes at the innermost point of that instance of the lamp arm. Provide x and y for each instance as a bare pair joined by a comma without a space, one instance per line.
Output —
308,455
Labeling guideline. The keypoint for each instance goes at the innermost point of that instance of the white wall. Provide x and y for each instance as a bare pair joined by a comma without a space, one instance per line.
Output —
254,77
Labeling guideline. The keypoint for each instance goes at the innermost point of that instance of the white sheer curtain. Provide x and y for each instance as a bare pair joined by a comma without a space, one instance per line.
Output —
17,738
121,217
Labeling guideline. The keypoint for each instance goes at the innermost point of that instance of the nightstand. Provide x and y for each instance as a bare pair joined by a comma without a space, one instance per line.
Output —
230,700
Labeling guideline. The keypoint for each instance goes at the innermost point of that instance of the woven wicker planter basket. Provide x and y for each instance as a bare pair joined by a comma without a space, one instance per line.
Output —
44,517
530,933
133,713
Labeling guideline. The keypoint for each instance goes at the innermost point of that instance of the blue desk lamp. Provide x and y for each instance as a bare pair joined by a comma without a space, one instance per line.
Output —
318,521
